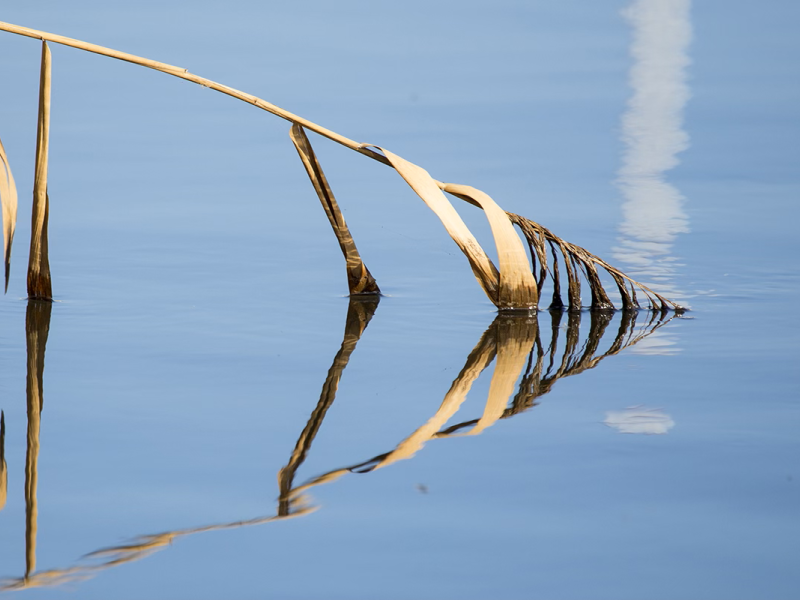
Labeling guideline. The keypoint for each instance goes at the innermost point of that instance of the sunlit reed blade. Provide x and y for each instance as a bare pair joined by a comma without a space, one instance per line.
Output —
3,466
517,286
576,258
359,279
359,313
38,262
37,328
8,200
428,189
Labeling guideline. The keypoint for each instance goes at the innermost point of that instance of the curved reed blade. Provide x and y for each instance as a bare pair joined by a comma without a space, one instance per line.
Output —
359,279
38,262
578,260
8,200
517,289
428,189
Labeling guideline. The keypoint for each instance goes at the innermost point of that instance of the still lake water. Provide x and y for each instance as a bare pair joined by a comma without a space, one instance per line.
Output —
193,354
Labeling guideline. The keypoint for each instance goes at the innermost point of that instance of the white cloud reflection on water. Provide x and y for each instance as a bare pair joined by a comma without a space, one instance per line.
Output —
640,419
653,135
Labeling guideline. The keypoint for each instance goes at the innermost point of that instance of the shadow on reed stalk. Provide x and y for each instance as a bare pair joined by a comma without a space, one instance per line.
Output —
514,285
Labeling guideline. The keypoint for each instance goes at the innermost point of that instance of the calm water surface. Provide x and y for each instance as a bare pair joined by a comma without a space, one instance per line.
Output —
204,376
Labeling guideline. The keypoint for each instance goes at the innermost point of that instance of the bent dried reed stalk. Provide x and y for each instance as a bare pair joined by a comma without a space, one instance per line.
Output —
512,287
38,260
359,279
8,200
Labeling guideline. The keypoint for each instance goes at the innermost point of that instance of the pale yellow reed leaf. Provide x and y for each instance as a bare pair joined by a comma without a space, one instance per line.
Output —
517,288
428,189
38,261
8,200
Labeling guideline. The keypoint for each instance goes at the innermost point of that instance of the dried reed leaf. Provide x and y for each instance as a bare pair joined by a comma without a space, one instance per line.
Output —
8,200
517,287
428,189
576,259
38,262
359,279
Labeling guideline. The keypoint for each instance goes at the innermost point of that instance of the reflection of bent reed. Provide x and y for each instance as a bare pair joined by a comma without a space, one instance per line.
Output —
513,340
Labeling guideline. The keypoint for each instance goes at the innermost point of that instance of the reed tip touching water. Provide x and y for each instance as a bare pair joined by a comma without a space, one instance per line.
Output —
515,284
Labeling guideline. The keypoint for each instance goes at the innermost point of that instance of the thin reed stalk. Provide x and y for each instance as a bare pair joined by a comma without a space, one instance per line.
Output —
359,279
38,261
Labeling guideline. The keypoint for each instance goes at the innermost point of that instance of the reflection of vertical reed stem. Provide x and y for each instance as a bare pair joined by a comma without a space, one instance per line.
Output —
359,313
3,467
38,263
37,326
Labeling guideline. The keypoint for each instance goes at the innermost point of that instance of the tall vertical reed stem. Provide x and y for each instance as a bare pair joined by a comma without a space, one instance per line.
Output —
39,285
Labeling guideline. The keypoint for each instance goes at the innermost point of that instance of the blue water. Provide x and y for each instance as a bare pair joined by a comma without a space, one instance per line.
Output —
202,300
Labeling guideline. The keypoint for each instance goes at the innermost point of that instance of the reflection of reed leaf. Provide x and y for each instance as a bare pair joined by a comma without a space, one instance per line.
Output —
3,466
359,279
38,262
515,338
8,200
136,549
359,313
537,381
37,327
